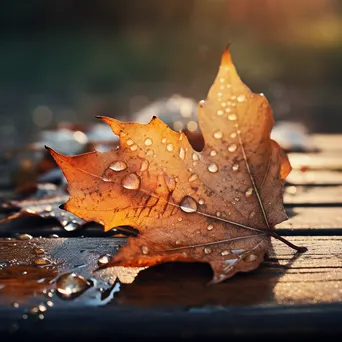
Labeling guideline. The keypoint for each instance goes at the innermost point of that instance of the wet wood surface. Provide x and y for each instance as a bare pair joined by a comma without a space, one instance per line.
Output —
290,295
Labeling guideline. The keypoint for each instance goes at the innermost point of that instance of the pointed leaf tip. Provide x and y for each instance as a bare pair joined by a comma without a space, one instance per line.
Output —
226,57
112,123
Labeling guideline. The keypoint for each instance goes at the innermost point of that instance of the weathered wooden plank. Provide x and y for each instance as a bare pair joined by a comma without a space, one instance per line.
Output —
313,218
312,195
327,142
316,161
312,277
315,177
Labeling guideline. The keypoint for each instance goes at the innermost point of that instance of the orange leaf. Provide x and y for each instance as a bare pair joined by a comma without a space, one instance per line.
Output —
216,206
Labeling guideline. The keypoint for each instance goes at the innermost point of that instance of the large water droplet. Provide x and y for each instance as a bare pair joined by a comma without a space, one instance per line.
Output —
207,250
232,148
213,167
169,147
70,285
148,142
118,166
131,181
249,192
144,249
181,153
188,204
235,167
210,227
232,117
192,178
218,134
103,259
241,98
144,165
24,237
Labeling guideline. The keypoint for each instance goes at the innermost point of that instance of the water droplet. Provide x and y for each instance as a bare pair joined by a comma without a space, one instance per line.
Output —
181,153
192,178
232,148
249,192
169,147
213,153
129,142
241,98
42,308
71,285
144,165
219,94
71,226
134,147
235,167
218,214
164,141
16,305
220,112
103,259
233,97
250,258
227,110
195,156
232,117
202,103
231,261
148,142
213,167
223,104
178,242
180,219
218,134
48,208
170,182
144,249
53,236
24,237
237,251
210,227
49,303
188,204
131,181
252,214
39,251
207,250
237,199
225,252
233,135
222,79
201,201
118,166
42,261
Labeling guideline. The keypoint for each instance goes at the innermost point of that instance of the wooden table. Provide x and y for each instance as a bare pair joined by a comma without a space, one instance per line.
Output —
290,295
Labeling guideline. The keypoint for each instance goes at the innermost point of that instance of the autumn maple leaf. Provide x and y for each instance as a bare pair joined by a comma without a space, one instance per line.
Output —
217,206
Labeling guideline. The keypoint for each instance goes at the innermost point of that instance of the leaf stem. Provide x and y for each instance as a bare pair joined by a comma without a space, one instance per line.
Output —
299,249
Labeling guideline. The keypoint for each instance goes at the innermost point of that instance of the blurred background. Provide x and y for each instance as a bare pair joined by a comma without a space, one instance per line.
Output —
68,61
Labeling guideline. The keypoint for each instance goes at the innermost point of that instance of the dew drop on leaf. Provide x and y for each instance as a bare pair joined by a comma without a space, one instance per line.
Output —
220,112
232,148
232,117
134,147
103,259
181,153
195,156
233,135
210,227
207,250
131,181
225,252
24,237
235,167
144,249
249,192
188,204
192,178
129,142
218,134
169,147
144,165
164,141
241,98
250,258
213,167
201,201
213,153
148,142
118,166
